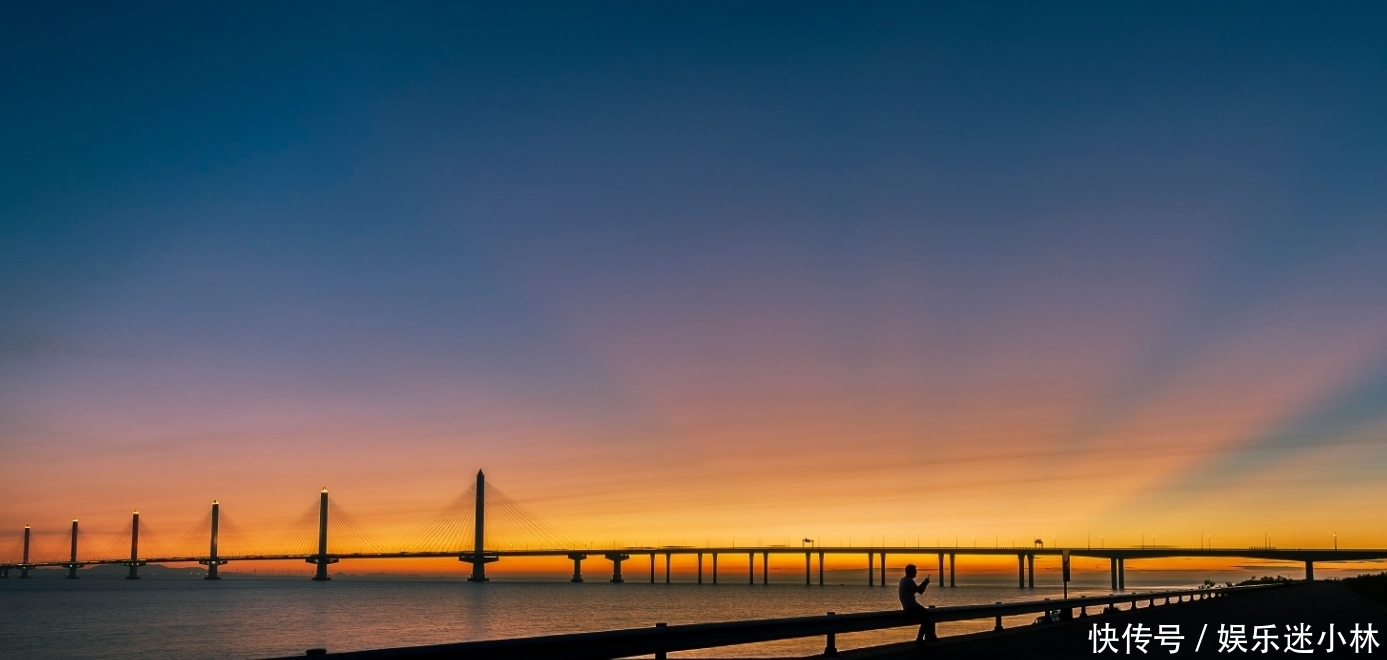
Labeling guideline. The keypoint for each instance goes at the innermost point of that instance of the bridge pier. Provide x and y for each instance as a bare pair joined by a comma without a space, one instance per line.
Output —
652,568
1112,568
700,568
715,568
1309,571
806,569
951,569
883,569
72,564
616,559
1121,574
666,568
1030,570
1020,571
821,569
765,568
751,568
578,566
941,569
871,569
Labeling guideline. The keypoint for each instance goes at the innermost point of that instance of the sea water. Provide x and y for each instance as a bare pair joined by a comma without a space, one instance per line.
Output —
246,617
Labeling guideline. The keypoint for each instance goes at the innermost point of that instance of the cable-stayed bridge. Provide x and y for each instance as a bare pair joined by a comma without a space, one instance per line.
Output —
462,529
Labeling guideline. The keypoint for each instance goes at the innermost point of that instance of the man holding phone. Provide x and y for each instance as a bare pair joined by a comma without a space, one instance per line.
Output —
906,590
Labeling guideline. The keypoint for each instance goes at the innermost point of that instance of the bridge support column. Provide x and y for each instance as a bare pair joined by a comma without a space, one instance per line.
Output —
700,568
751,568
1021,571
666,568
652,568
4,572
941,569
134,562
1121,574
577,566
806,569
479,535
72,564
715,568
1112,568
616,559
212,556
1309,571
24,565
322,560
821,569
951,569
871,569
883,569
765,568
1030,571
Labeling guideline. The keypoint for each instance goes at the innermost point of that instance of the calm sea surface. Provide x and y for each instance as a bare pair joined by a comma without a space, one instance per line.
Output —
264,617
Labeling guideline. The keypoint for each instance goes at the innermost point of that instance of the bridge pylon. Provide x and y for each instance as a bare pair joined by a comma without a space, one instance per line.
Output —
479,558
24,565
72,564
213,557
134,562
322,559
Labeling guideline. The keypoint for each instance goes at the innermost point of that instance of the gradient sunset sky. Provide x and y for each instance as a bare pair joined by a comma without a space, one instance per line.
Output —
688,273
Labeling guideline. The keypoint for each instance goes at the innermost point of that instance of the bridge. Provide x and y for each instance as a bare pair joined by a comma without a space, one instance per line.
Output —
447,536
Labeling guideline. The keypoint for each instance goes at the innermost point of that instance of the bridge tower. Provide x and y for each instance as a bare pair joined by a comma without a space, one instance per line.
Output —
213,557
134,562
479,559
24,565
321,559
72,564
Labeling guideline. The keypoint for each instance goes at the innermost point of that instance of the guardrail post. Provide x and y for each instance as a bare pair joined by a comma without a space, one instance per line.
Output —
999,620
831,648
930,635
660,655
1083,610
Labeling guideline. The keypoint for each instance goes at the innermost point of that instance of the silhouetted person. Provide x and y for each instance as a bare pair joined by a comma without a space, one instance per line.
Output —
907,590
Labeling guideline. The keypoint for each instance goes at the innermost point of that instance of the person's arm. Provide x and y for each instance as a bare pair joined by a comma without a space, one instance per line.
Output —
921,588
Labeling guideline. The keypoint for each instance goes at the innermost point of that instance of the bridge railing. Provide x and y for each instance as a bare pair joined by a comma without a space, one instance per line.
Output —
662,639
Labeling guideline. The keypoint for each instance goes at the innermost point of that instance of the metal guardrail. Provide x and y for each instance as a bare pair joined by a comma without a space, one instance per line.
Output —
662,639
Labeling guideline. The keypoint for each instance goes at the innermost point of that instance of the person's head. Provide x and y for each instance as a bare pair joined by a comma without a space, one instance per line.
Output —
910,570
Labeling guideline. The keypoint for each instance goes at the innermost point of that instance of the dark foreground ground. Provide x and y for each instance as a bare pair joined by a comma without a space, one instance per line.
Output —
1317,605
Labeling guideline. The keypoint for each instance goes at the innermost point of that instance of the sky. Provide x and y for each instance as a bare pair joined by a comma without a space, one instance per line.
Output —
691,273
